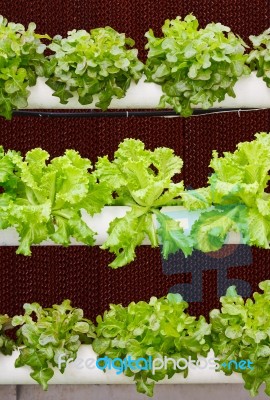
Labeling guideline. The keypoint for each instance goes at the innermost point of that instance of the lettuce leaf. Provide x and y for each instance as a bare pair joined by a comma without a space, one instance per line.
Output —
241,331
128,232
7,345
210,231
49,197
173,237
194,66
21,61
259,57
100,62
238,196
141,179
48,337
159,328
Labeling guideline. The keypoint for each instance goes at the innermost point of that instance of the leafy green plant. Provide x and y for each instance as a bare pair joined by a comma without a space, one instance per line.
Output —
259,57
97,63
157,329
142,179
136,336
194,66
7,345
241,331
47,335
44,200
21,61
239,197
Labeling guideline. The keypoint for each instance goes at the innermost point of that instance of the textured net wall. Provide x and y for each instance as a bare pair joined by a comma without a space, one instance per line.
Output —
80,273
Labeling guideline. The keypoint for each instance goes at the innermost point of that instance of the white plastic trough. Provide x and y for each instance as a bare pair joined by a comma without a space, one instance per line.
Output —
99,223
251,92
79,372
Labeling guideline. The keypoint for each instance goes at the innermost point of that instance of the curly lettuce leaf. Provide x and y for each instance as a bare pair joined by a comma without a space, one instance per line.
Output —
240,331
210,231
21,61
8,179
197,199
98,63
128,232
50,196
258,229
239,178
194,66
242,174
7,345
158,328
259,57
173,237
48,335
142,179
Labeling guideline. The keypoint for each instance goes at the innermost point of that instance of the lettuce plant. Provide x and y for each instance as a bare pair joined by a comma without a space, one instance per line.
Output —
241,331
238,188
21,61
259,57
43,200
148,341
157,329
98,63
142,179
49,335
194,66
7,345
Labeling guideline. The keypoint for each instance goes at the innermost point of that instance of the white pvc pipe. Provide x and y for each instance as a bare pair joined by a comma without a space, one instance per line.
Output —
141,95
83,371
251,92
99,223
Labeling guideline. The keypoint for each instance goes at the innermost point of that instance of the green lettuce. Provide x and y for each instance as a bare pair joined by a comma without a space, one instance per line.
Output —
197,199
96,63
239,198
159,328
241,331
7,345
49,197
172,236
144,331
48,337
44,199
21,61
194,66
142,179
259,57
210,231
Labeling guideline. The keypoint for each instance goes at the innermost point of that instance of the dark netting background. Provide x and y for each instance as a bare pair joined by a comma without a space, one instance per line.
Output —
79,273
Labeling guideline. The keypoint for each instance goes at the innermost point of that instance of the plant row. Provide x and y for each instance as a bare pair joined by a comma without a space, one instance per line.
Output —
44,199
239,331
194,66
